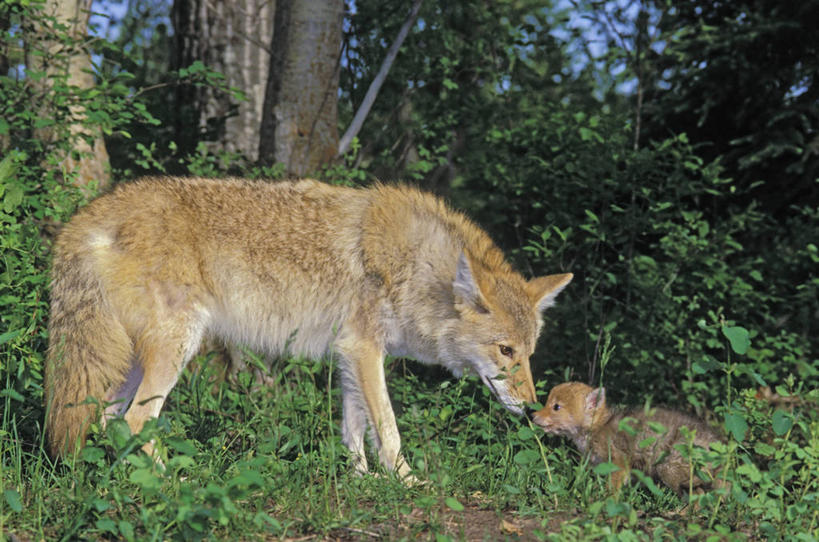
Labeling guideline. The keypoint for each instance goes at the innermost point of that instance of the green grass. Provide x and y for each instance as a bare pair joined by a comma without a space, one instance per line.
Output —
248,464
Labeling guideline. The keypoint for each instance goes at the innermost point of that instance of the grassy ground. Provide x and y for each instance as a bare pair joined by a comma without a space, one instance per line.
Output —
268,464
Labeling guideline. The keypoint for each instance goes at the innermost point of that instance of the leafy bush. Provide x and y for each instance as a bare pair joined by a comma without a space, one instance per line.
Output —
37,186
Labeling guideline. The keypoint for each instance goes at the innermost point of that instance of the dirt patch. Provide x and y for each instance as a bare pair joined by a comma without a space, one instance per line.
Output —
473,523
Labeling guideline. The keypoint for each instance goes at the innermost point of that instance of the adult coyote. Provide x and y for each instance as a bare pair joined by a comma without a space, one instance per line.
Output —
142,274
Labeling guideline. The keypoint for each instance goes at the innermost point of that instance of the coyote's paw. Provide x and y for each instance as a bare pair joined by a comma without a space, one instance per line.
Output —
403,472
410,480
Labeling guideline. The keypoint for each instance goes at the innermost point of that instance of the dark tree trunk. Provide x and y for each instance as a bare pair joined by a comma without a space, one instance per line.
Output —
231,37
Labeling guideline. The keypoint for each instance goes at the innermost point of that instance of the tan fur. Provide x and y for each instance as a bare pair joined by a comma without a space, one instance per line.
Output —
142,274
579,412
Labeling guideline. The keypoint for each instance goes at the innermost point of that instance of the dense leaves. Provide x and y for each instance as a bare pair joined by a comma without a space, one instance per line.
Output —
743,82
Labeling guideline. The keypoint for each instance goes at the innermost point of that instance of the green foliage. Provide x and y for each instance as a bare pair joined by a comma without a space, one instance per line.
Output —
455,69
654,268
348,172
36,188
139,47
269,462
751,99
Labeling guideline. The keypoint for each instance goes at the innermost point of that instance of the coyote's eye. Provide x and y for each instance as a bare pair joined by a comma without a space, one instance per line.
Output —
556,406
506,350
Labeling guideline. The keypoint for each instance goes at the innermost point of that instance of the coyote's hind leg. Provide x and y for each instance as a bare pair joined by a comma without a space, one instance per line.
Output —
163,349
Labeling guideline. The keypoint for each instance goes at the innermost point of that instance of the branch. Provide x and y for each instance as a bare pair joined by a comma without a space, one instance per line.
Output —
375,86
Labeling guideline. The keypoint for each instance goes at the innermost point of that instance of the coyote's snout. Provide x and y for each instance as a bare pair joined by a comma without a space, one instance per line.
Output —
142,274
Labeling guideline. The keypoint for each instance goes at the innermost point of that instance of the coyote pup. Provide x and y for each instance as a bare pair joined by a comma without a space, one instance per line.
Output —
577,411
143,273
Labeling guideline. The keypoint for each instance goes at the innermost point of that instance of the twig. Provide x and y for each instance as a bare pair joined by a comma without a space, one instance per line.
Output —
375,86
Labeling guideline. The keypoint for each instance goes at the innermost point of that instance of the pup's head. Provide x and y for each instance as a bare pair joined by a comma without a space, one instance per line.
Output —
571,409
499,320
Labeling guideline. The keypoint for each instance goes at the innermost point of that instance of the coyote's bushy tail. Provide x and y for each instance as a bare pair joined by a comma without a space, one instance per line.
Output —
89,350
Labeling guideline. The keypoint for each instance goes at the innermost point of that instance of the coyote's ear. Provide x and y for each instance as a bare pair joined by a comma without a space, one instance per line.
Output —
543,290
596,399
465,287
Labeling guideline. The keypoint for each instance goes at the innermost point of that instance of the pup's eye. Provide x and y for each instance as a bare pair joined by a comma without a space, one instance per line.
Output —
556,406
507,351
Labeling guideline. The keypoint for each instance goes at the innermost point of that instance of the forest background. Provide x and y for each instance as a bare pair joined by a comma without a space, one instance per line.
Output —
666,153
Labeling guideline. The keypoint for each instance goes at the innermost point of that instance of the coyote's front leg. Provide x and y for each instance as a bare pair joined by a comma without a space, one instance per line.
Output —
366,401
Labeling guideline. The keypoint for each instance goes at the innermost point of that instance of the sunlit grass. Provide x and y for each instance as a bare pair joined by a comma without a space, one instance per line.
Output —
253,463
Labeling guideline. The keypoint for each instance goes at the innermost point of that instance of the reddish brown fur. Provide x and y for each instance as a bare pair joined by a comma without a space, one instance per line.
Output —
579,412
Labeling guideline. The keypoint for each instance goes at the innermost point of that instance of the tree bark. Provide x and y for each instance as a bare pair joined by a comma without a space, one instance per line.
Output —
300,116
231,37
88,161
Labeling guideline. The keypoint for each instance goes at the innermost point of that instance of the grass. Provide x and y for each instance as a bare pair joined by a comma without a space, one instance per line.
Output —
263,464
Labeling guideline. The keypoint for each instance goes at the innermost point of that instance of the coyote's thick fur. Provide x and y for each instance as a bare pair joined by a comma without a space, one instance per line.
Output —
142,274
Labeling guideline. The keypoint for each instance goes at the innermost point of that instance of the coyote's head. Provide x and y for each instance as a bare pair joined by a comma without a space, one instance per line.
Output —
499,320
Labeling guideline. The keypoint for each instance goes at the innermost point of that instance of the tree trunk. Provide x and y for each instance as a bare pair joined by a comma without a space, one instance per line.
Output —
300,117
231,37
88,161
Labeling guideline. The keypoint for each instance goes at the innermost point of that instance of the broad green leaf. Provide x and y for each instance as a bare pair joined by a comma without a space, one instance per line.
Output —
645,443
9,335
8,166
453,503
657,427
737,426
101,505
763,449
145,478
604,469
13,197
126,529
781,422
13,500
445,412
750,470
524,433
92,454
179,462
182,446
738,337
119,432
13,394
449,83
526,457
107,524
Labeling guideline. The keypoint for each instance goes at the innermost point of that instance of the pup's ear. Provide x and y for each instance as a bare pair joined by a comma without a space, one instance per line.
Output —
543,290
465,287
596,399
